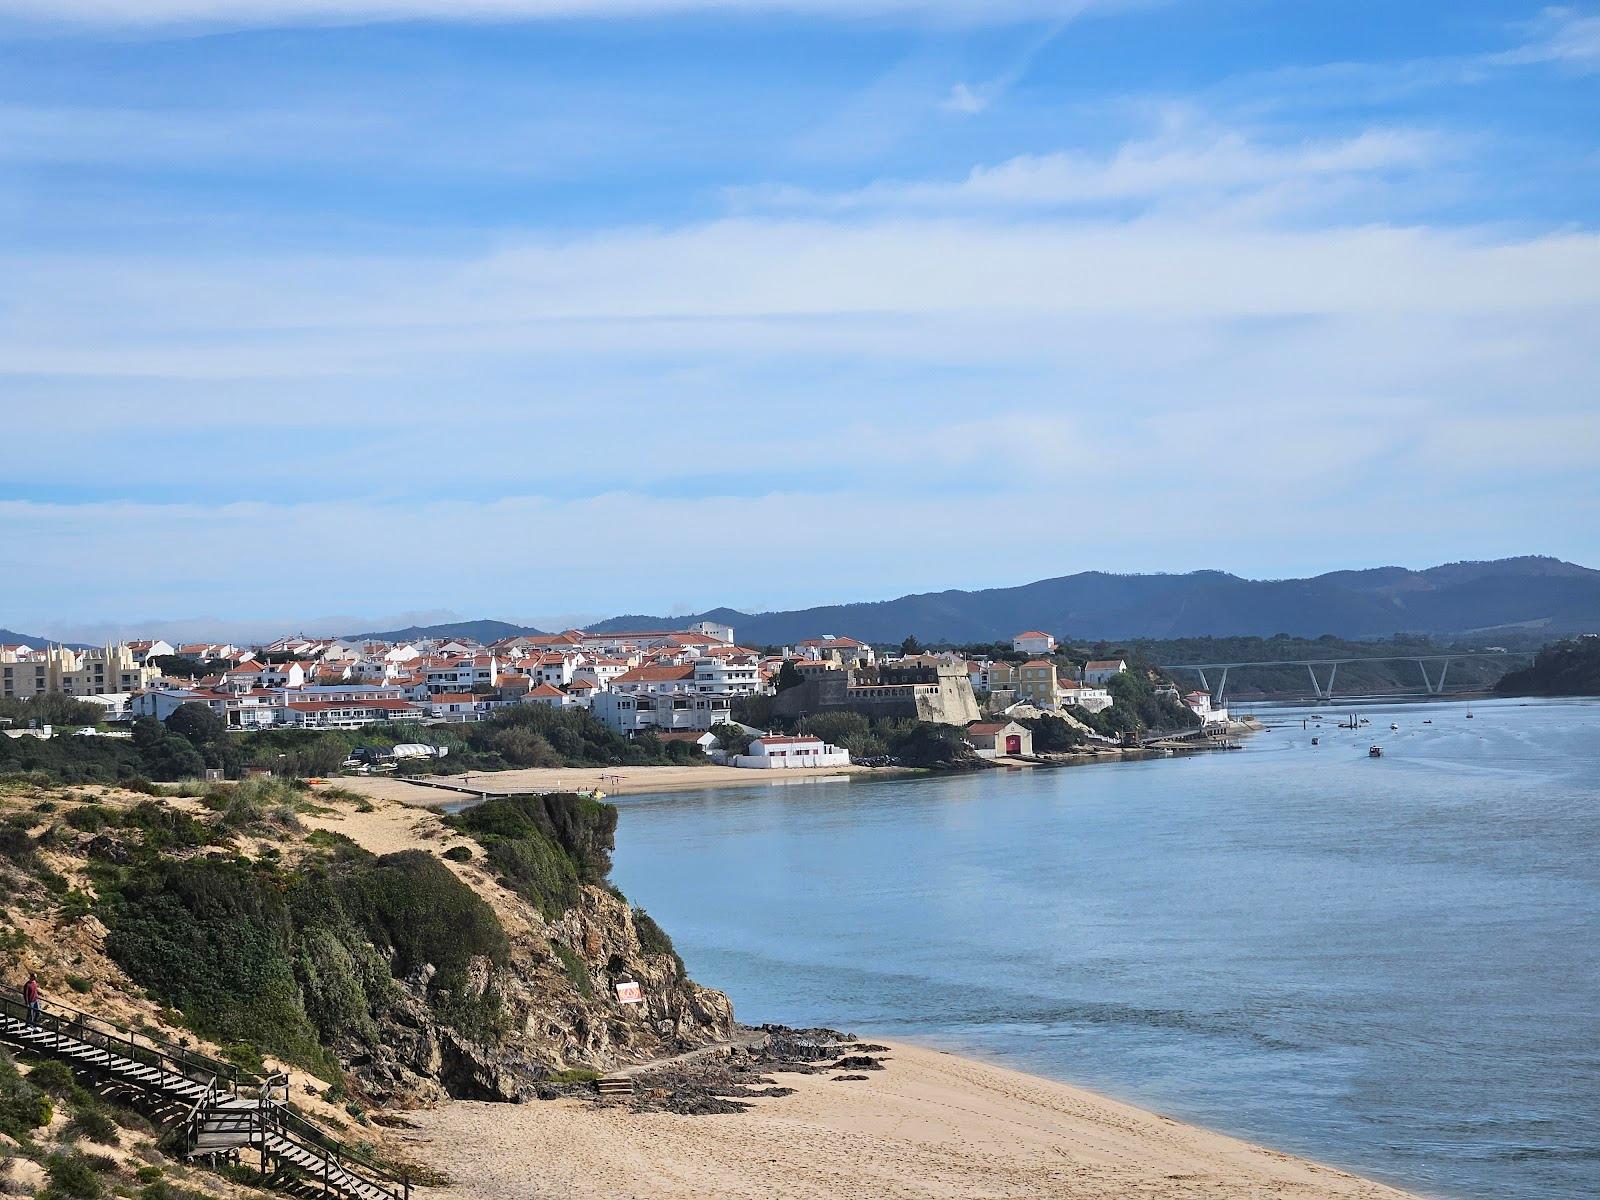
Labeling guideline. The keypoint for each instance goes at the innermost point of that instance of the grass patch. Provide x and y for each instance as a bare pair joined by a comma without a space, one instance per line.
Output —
576,969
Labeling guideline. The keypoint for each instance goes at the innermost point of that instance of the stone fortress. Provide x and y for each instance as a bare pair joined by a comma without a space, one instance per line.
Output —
921,687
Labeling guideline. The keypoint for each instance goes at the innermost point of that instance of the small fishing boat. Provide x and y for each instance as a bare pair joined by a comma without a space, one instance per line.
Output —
1392,725
1428,722
1374,751
1316,741
1469,716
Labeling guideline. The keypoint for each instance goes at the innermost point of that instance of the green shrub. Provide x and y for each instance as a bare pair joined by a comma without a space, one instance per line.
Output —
90,818
341,984
412,907
576,969
544,847
74,1175
212,938
57,1079
575,1075
165,827
244,1056
15,844
94,1124
459,854
23,1106
535,868
79,984
653,939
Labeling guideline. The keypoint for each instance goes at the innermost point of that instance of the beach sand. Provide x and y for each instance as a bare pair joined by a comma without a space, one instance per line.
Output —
612,781
933,1125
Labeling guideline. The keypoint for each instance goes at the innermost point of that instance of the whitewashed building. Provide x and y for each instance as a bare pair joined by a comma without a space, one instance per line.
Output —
775,752
1033,642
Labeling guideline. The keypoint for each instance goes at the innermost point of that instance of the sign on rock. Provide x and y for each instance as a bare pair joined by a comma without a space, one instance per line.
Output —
629,992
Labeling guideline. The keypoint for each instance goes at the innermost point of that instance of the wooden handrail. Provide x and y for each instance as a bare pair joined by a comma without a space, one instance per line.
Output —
270,1114
65,1018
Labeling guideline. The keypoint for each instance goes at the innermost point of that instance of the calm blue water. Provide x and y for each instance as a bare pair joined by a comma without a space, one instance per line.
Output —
1392,964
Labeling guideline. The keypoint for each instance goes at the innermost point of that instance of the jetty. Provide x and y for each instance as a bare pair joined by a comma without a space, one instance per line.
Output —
221,1111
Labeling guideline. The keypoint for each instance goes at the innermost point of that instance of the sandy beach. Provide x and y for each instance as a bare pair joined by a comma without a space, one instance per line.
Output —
612,781
933,1125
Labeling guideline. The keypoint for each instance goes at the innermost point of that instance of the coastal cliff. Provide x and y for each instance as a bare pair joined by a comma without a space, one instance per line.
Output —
397,955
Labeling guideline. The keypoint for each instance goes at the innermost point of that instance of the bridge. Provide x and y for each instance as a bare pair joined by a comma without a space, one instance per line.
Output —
217,1109
1322,689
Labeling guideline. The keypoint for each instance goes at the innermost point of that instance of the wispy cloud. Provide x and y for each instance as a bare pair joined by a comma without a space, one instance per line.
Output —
1559,35
971,99
1186,162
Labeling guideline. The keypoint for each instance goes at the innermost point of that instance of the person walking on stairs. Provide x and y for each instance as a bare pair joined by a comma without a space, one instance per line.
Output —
30,997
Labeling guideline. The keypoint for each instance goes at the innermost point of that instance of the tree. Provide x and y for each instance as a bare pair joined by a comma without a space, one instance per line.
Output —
197,723
788,676
910,646
179,666
734,738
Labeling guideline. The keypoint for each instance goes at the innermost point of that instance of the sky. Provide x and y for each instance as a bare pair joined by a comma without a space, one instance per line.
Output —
317,312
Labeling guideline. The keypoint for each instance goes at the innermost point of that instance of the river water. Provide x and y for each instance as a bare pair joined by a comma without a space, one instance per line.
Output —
1388,964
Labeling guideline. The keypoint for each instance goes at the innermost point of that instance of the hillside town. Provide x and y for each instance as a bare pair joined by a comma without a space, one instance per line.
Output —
678,684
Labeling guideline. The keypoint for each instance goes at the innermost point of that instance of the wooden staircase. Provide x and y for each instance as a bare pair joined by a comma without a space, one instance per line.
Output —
225,1112
615,1087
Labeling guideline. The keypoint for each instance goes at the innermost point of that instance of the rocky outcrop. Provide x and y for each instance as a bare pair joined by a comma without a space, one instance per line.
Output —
559,1012
360,953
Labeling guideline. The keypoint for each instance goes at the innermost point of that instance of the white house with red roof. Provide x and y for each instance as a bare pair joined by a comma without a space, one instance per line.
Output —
457,707
1103,670
775,752
581,691
1000,739
346,714
655,679
550,697
1199,703
1033,641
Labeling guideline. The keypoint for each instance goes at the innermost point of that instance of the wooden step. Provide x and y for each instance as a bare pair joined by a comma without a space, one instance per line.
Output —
615,1085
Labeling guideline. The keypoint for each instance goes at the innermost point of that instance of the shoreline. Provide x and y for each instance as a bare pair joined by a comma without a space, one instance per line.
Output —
430,791
934,1124
612,781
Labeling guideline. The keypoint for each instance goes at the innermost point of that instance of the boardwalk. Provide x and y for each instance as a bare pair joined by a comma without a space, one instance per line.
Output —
221,1111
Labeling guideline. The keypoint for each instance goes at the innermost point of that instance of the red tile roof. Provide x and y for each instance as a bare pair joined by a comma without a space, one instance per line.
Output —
654,674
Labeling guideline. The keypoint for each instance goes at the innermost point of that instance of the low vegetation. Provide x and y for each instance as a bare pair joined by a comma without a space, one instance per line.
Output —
1569,668
544,848
913,743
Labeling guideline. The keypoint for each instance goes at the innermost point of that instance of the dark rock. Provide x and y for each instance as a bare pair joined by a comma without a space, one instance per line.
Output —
858,1062
107,849
847,1078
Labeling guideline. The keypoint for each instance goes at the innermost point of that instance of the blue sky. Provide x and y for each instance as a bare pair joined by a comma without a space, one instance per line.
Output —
328,310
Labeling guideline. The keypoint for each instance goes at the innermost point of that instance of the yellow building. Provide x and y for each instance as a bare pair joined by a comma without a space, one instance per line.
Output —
1036,682
72,672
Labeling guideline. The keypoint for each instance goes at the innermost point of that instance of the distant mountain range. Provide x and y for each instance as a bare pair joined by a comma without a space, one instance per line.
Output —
9,637
1529,594
1536,594
484,631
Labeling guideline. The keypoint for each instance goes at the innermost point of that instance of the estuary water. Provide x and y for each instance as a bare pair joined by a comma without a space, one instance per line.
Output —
1389,964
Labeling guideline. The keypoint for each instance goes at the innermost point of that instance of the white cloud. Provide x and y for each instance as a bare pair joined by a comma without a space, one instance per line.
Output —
752,286
1181,164
963,99
1560,35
